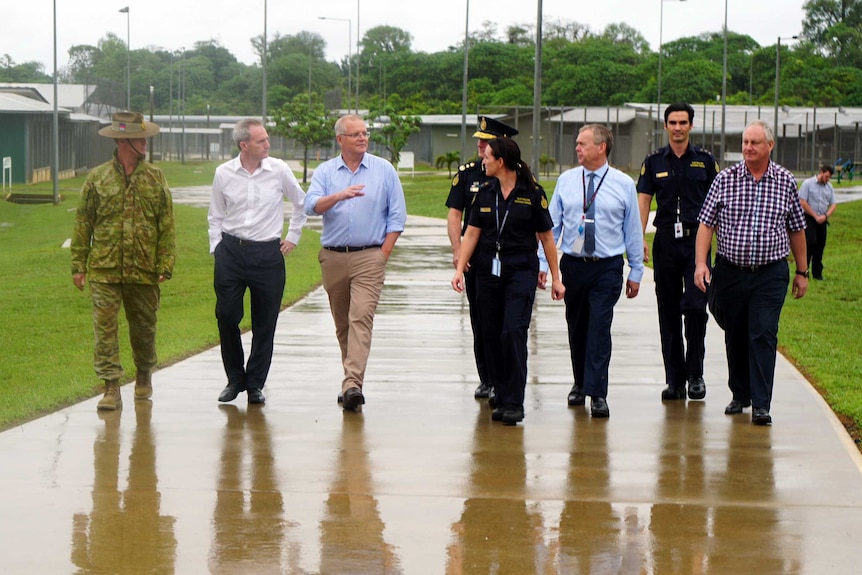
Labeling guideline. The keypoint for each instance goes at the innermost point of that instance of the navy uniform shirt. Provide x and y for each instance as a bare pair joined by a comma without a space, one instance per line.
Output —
528,215
465,185
678,184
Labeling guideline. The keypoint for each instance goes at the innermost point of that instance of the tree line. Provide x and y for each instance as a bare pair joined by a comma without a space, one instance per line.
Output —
580,67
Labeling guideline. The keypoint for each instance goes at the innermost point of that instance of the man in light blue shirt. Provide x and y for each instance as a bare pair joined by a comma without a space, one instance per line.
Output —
595,211
363,208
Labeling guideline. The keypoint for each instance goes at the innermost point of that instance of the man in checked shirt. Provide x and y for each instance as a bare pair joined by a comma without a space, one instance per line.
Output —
754,209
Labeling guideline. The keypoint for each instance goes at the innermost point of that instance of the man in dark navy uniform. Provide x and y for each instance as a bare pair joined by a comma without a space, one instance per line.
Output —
678,176
465,185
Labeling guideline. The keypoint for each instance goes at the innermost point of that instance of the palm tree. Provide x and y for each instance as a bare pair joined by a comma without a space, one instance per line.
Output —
447,159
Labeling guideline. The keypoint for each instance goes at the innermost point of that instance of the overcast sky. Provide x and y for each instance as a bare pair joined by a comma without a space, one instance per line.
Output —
26,27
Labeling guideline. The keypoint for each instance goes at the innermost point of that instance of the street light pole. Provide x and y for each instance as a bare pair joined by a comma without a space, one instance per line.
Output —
537,91
128,57
778,90
464,86
660,44
724,87
349,52
263,67
358,55
55,124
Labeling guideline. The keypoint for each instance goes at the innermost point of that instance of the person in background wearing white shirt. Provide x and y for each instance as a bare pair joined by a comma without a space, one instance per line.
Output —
246,221
817,198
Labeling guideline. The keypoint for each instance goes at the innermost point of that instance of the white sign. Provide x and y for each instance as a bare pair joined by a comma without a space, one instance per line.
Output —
7,162
406,162
7,167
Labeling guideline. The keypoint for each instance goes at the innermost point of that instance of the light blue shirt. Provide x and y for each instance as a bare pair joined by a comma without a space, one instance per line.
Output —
362,220
618,225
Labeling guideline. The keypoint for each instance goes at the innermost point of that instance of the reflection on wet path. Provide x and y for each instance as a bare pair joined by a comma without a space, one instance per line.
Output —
422,481
125,531
248,515
351,528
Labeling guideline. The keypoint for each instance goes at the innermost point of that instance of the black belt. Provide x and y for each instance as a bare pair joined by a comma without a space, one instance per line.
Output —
243,242
590,259
348,249
749,269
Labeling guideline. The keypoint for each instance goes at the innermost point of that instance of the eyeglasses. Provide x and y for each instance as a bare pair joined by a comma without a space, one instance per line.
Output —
356,135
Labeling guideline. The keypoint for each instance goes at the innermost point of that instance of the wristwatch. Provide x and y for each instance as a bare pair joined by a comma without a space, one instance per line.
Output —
804,274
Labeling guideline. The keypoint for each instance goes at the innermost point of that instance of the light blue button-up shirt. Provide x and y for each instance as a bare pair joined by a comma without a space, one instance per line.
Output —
618,225
362,220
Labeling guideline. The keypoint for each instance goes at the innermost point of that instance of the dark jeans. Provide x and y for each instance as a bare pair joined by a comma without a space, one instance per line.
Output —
815,239
258,267
592,290
679,300
747,305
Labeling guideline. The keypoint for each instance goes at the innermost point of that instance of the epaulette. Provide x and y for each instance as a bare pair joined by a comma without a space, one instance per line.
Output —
466,166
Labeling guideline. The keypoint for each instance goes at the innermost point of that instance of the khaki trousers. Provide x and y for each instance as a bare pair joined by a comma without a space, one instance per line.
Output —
353,281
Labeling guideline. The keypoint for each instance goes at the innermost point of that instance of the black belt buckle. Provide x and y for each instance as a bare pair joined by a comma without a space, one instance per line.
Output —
348,249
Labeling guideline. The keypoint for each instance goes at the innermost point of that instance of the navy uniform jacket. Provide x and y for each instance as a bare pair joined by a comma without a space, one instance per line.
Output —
465,186
678,184
528,215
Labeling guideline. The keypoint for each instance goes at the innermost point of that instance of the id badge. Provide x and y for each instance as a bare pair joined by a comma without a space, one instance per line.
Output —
496,267
677,230
578,244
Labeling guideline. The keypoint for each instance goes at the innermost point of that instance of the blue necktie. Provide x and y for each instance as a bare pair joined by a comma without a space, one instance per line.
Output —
590,222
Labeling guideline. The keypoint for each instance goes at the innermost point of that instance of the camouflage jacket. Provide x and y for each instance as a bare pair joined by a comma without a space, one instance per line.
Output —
124,227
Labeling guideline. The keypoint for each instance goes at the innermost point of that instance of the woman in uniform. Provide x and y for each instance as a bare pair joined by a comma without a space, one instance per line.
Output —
509,214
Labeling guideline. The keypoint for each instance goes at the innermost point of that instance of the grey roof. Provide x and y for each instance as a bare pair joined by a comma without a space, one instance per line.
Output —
71,96
17,104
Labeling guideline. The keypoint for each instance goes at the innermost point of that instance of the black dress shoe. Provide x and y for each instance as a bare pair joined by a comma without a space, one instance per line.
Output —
353,398
760,416
482,391
576,396
735,407
512,415
497,414
340,398
696,388
672,392
256,397
492,397
230,392
599,407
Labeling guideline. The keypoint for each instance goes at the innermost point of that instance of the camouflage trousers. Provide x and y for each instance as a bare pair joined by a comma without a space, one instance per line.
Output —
141,303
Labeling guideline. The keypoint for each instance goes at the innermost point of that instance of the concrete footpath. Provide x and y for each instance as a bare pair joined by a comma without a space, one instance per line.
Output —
421,481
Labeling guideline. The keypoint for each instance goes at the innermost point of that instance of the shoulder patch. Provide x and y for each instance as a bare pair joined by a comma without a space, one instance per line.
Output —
717,169
544,203
456,180
643,168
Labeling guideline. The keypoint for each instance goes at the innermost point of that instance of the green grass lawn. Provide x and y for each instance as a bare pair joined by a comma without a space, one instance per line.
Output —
48,337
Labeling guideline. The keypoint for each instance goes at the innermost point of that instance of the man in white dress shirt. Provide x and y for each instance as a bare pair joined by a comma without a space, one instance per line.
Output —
246,222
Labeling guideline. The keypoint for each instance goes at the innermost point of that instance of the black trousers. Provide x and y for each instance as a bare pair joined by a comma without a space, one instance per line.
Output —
815,238
476,325
258,267
747,305
679,301
505,310
592,290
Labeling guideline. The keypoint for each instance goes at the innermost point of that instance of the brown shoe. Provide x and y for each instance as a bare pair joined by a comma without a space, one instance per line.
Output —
112,399
143,385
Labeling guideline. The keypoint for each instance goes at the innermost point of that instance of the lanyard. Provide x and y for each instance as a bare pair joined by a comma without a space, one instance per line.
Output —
593,197
502,225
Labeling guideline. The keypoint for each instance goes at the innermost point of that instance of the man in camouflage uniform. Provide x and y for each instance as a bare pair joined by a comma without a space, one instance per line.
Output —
464,187
124,240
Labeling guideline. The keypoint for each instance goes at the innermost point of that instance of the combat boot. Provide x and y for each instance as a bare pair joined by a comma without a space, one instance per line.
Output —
112,399
143,385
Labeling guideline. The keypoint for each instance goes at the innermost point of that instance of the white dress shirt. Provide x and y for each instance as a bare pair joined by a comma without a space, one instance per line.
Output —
251,206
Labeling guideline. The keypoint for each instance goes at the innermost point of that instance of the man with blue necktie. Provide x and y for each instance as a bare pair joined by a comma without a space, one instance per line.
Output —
595,210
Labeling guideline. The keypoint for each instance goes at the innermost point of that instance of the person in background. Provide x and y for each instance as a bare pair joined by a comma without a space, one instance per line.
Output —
753,208
124,241
509,213
464,188
818,202
677,176
364,212
246,221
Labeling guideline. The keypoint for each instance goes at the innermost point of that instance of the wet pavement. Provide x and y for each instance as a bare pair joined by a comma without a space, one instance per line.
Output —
421,481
